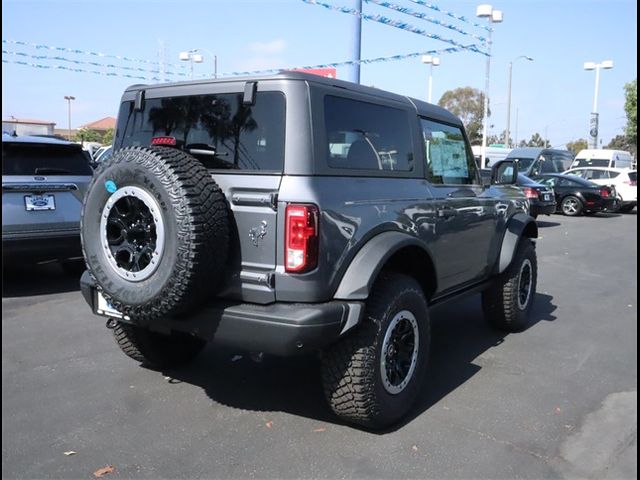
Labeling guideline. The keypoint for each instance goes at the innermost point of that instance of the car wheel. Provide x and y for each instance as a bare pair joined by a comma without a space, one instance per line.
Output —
373,375
154,232
156,350
571,206
506,304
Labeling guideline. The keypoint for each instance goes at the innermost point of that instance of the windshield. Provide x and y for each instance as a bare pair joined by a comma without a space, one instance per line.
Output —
43,159
590,162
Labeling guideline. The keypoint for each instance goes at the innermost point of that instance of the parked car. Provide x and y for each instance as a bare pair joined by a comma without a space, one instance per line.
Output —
296,214
535,160
492,154
43,183
575,195
101,155
622,179
541,197
602,157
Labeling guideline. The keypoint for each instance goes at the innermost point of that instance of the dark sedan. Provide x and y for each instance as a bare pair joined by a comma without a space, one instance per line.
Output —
575,195
541,198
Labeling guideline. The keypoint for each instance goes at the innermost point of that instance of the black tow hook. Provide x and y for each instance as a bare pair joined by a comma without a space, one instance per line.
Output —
111,323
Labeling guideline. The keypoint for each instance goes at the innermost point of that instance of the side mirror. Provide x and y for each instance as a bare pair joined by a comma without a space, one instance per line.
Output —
504,172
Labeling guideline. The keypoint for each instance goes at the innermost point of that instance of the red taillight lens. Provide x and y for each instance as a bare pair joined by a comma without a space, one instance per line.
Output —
171,141
604,193
530,192
301,243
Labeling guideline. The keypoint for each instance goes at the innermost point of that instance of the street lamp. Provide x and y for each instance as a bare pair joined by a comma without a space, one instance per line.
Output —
68,98
192,56
506,135
593,127
492,16
433,62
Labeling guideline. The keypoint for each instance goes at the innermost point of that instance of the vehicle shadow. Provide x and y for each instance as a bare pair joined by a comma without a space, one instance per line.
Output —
293,385
42,279
545,223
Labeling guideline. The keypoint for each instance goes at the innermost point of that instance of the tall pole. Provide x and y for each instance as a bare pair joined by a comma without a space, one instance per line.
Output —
430,83
215,66
506,135
594,115
486,101
357,42
68,98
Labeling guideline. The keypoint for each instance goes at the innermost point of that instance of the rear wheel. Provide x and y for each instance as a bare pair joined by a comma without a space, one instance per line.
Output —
156,350
571,206
507,302
373,375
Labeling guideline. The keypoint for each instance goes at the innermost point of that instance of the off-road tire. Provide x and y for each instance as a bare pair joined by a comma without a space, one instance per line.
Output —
156,350
351,369
502,306
195,220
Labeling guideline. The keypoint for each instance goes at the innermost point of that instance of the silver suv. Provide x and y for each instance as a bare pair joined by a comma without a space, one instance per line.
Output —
297,214
43,183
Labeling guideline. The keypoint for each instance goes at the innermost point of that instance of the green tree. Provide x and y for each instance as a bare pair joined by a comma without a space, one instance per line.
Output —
107,138
537,141
577,145
631,109
498,139
87,135
619,142
468,104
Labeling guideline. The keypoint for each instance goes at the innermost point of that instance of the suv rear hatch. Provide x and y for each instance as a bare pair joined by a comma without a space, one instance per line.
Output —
43,185
243,147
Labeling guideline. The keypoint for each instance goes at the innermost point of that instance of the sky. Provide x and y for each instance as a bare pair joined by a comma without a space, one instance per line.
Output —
552,95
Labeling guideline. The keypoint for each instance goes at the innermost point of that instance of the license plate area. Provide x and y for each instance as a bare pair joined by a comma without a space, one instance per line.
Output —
37,202
547,197
103,307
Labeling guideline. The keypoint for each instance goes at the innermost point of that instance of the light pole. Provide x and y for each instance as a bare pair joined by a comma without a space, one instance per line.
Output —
506,135
593,127
68,98
432,62
492,16
192,56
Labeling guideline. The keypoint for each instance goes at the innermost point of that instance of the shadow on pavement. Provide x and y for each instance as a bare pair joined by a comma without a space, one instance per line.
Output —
43,279
545,223
293,385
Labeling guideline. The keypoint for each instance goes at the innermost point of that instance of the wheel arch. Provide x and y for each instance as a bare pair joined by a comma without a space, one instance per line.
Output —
387,251
519,226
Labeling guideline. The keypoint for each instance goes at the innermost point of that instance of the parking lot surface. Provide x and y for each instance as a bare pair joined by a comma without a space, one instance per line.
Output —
557,400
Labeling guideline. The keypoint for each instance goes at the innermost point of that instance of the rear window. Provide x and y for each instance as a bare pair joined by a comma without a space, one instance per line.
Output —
43,159
590,162
633,176
366,136
217,129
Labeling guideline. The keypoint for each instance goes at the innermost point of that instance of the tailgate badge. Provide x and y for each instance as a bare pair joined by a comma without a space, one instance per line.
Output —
258,233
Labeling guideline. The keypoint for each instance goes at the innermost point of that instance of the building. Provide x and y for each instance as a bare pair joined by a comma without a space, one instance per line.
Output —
28,126
101,125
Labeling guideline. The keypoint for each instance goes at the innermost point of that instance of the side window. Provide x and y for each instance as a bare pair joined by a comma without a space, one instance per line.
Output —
448,159
366,136
613,174
578,173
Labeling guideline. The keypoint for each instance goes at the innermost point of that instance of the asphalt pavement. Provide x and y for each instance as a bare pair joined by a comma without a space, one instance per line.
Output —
558,400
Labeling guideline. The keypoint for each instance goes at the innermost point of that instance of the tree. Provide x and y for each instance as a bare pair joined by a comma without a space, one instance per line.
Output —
577,145
537,141
499,139
107,138
468,104
631,109
87,135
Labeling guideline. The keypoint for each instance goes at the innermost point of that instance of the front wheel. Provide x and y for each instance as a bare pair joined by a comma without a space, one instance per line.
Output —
373,375
571,206
507,302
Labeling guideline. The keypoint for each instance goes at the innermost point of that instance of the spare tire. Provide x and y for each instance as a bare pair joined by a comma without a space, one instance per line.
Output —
155,232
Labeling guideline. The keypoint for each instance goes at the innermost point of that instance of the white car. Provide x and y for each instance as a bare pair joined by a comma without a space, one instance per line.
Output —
623,179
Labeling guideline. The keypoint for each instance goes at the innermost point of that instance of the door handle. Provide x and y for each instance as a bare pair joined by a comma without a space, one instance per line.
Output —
447,212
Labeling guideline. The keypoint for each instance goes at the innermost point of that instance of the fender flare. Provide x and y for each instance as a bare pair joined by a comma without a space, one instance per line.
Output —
357,281
521,224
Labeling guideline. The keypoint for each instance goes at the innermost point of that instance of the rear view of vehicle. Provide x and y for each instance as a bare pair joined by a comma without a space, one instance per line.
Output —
43,184
576,196
541,198
623,180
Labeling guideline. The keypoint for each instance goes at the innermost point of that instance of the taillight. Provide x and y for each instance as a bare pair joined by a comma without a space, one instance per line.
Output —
604,192
530,192
171,141
301,242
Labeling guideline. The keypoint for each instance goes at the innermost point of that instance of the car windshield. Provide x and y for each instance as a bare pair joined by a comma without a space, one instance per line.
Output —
43,159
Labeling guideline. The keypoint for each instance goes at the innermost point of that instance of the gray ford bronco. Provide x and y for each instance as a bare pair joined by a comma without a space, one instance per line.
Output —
294,214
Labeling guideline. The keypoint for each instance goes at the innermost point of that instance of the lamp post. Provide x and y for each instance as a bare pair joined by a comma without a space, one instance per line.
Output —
68,98
192,56
492,16
432,62
506,135
593,127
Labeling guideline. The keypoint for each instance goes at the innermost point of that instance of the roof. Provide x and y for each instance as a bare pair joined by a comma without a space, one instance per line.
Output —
34,139
102,124
310,78
31,121
533,151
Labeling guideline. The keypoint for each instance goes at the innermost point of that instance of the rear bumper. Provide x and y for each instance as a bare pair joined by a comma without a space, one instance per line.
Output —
280,328
540,208
41,246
